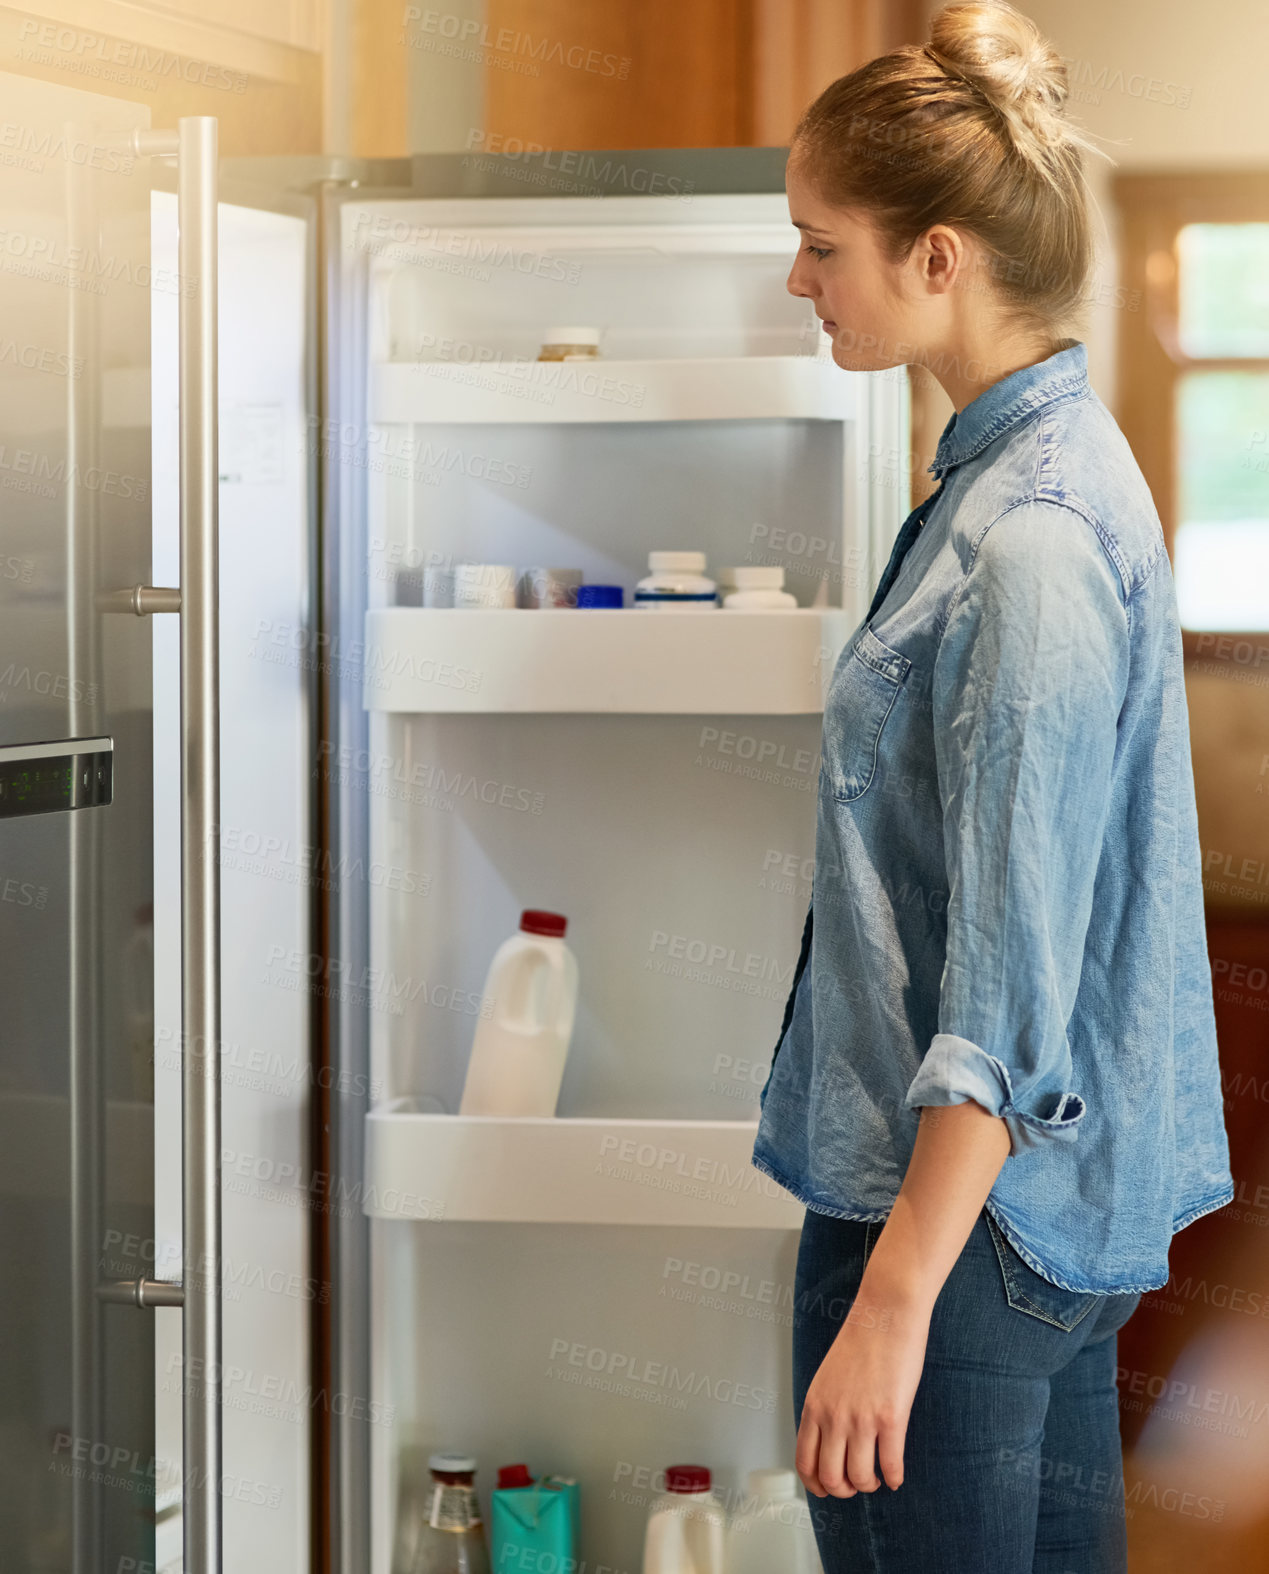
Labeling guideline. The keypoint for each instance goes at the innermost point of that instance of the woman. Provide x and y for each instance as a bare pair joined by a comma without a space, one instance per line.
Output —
996,1087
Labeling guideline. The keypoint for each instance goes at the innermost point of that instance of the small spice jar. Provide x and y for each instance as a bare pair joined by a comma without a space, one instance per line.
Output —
570,344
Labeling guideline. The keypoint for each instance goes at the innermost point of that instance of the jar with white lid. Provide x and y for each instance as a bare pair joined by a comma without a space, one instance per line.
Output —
484,585
569,344
759,588
677,583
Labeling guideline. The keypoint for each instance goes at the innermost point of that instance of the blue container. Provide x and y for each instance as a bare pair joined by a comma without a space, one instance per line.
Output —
543,1518
600,596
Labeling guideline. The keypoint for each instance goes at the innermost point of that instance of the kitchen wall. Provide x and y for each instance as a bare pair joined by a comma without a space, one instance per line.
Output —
257,65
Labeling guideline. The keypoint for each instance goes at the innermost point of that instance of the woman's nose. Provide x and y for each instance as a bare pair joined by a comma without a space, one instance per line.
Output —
795,283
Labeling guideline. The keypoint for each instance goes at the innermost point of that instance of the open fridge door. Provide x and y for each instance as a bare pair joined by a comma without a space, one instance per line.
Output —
269,882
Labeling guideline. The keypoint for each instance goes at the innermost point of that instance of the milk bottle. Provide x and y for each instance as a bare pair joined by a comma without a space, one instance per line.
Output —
517,1060
773,1528
686,1526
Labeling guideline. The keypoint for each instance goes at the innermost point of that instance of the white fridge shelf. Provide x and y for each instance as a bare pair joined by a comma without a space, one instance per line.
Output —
495,660
723,388
568,1171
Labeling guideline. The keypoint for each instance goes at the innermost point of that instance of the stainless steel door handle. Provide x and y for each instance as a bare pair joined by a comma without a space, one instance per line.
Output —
194,145
200,843
143,1293
144,600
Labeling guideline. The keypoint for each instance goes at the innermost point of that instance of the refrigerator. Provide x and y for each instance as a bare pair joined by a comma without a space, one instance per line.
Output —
602,1294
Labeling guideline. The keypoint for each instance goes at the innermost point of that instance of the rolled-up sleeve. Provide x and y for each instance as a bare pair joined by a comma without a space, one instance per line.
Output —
1028,683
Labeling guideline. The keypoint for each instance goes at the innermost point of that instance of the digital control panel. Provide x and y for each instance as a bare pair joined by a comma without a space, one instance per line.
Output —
65,773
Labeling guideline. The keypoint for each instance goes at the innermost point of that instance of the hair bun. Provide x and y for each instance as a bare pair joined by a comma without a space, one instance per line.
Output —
1002,53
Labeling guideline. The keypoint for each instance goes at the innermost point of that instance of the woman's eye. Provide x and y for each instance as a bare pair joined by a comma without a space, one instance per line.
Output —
819,251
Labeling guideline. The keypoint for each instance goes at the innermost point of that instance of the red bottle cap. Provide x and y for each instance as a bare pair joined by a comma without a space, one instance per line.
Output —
687,1478
513,1476
535,922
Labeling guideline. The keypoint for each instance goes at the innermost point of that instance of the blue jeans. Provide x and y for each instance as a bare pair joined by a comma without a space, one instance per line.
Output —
1012,1458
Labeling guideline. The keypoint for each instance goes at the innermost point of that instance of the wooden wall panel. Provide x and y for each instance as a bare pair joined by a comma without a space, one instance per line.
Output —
378,75
800,47
709,73
619,74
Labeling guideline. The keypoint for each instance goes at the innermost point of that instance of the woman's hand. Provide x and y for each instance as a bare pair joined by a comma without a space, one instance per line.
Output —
858,1404
860,1399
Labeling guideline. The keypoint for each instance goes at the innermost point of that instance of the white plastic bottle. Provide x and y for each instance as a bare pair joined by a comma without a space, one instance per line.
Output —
517,1060
773,1528
677,583
758,588
687,1526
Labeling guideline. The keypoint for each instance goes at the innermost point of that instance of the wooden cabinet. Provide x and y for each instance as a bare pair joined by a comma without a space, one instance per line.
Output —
611,74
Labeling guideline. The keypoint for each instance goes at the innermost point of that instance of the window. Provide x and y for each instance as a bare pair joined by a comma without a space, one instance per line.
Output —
1194,368
1220,554
1223,294
1221,420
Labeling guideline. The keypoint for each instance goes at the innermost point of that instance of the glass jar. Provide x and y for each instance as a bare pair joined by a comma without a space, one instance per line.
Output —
485,584
570,344
452,1537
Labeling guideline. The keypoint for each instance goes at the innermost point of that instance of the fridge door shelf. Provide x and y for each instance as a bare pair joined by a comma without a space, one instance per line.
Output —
722,388
495,660
568,1171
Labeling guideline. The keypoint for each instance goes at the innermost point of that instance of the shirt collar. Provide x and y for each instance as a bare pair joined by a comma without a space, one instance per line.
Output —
1009,401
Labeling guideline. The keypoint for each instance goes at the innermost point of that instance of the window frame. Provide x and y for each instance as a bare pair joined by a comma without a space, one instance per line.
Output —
1152,210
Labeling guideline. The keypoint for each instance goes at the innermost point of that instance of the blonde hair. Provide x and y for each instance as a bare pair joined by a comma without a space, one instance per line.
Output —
968,130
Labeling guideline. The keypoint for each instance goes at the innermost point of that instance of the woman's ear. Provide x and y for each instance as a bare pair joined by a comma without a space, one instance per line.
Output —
941,256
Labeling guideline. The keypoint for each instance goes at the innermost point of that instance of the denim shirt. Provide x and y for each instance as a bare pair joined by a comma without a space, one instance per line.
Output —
1007,902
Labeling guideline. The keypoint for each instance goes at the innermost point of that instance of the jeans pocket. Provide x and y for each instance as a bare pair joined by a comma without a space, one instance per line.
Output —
1029,1292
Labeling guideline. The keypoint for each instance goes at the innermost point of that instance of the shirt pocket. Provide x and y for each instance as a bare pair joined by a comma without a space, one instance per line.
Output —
865,686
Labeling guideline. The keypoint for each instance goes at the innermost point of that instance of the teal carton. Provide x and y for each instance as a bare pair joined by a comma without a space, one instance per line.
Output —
535,1527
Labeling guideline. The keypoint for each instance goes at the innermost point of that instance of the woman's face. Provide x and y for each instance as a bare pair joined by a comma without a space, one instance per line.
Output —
857,292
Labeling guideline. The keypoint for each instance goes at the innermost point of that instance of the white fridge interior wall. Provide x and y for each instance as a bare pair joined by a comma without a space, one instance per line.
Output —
545,493
678,845
680,850
265,885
